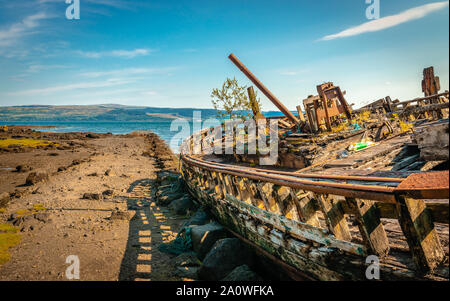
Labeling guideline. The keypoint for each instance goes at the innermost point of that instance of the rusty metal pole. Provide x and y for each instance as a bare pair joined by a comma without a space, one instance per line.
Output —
263,88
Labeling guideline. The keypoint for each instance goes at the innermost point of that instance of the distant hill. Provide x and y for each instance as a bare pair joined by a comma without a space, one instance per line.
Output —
107,112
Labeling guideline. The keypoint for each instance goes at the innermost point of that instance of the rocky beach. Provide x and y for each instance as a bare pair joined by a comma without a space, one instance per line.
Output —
112,201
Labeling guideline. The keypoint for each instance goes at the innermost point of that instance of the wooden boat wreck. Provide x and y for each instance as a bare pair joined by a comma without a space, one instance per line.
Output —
320,213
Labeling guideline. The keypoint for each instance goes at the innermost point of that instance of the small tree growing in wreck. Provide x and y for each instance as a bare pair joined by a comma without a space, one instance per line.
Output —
231,100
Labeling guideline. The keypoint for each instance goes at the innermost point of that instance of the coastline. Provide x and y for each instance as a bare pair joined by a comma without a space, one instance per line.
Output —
90,202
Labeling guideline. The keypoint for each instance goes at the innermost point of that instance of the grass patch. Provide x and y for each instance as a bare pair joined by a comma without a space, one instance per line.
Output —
8,238
2,210
38,207
24,142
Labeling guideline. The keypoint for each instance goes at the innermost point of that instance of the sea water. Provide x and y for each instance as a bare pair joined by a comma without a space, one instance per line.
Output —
160,127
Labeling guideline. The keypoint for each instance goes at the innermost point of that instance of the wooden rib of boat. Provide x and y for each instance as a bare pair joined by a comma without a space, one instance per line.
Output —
324,226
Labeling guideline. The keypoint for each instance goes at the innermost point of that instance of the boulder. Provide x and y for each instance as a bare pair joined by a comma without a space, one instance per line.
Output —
204,237
168,198
36,177
187,272
224,257
242,273
186,260
199,218
182,205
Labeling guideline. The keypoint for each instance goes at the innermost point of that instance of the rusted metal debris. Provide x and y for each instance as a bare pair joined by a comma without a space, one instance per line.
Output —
263,89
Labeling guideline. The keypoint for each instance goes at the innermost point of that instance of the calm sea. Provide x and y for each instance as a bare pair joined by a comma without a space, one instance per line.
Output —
161,128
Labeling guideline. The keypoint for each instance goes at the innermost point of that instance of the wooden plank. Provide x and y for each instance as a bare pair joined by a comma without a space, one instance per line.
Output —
251,192
418,226
223,186
306,208
334,216
439,210
262,193
370,226
300,113
298,229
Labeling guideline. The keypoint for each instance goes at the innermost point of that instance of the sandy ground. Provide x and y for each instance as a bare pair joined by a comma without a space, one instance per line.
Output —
108,249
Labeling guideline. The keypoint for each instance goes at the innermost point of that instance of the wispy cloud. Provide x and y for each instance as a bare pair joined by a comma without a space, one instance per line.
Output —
75,86
15,31
390,21
129,71
291,72
116,53
37,68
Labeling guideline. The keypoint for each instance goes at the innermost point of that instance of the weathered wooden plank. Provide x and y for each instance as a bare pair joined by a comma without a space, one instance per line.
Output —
334,216
306,208
314,260
300,230
418,226
263,195
370,226
223,187
251,192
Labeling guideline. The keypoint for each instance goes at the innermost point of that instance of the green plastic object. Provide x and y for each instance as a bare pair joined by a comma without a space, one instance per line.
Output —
361,145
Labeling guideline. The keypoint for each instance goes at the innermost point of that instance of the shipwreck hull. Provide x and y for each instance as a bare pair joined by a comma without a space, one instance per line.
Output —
323,227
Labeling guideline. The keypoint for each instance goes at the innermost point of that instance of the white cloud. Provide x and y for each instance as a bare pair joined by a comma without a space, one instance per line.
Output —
128,71
117,53
15,31
390,21
76,86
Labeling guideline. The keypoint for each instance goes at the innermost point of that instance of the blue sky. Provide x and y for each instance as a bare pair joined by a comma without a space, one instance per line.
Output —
172,53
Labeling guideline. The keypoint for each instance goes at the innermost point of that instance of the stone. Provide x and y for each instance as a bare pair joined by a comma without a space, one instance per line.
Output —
121,215
182,205
168,198
187,272
199,218
242,273
36,177
92,135
205,236
109,173
76,162
186,260
108,193
224,257
23,168
62,168
44,217
92,196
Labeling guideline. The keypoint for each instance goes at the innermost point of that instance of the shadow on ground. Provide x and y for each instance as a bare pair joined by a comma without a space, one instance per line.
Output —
150,227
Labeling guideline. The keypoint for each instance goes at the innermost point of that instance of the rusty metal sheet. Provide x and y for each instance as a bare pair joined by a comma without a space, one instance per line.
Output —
426,185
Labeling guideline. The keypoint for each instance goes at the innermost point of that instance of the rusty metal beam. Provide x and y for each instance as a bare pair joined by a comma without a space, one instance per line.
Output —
263,89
